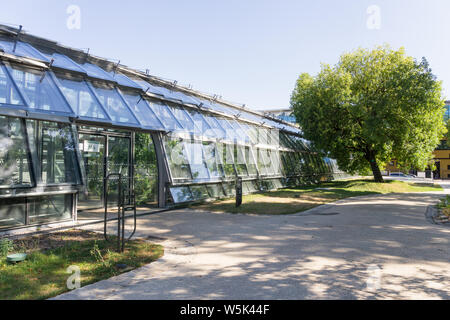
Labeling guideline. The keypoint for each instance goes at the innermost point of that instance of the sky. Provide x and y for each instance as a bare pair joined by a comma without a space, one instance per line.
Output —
247,51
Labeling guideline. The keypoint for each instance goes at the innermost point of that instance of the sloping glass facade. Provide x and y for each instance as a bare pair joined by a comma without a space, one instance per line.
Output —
50,101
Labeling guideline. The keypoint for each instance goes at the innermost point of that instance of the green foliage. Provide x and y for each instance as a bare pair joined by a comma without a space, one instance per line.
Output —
43,274
371,107
444,202
6,246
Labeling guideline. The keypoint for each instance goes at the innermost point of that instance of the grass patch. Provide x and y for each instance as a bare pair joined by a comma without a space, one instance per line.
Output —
293,200
43,274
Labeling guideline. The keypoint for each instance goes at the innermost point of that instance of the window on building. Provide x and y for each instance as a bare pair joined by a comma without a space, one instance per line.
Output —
55,146
14,161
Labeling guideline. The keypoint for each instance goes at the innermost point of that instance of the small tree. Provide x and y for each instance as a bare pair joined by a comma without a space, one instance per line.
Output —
371,107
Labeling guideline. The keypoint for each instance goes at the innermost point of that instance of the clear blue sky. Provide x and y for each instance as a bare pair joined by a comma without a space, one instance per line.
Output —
248,51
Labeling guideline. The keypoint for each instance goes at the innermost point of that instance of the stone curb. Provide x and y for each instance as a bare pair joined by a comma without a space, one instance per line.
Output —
434,216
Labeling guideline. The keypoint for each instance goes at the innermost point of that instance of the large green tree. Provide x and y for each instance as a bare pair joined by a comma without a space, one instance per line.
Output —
371,107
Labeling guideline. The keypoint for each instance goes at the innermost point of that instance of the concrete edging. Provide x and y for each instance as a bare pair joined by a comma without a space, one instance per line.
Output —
434,216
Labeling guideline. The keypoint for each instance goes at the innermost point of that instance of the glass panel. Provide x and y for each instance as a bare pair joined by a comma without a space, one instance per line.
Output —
200,123
181,194
146,171
297,161
230,189
40,90
274,137
59,60
263,135
12,212
226,160
124,80
114,105
164,115
251,161
216,129
239,132
239,156
8,92
81,99
251,186
118,162
56,151
182,117
140,107
92,149
50,208
147,86
263,162
14,165
230,134
194,152
215,191
21,49
250,131
183,97
274,162
96,72
199,192
178,163
212,160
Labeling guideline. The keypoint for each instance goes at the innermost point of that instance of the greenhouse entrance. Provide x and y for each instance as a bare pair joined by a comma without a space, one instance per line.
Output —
106,153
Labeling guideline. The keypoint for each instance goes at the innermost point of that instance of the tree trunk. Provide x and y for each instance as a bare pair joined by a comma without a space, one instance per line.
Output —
375,170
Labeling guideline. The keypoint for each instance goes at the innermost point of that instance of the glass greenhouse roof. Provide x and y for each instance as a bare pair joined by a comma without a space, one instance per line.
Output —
79,88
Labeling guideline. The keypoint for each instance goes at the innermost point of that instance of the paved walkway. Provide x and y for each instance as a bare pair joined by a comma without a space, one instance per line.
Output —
376,247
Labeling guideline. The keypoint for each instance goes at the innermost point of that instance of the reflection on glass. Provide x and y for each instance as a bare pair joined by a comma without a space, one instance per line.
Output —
162,112
50,208
114,105
239,156
14,165
12,212
194,153
178,162
92,149
251,162
56,151
215,191
199,192
146,171
212,160
142,110
8,92
181,194
40,90
81,99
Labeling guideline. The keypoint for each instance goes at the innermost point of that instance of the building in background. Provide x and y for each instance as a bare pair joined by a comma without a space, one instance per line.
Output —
441,157
285,114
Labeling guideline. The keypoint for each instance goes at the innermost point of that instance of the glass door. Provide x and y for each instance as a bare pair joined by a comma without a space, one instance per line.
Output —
119,151
92,148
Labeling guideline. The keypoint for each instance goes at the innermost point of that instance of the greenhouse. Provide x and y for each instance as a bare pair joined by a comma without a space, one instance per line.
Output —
73,127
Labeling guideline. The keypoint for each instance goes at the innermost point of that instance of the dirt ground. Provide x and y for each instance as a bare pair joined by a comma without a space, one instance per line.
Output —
42,242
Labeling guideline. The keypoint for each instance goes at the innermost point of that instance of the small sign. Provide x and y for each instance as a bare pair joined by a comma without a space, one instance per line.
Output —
91,146
238,192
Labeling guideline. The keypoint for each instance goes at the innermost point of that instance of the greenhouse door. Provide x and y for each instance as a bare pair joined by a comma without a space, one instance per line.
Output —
103,154
93,149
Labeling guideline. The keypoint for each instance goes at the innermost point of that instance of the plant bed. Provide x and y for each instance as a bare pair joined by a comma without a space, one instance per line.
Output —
443,211
44,272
